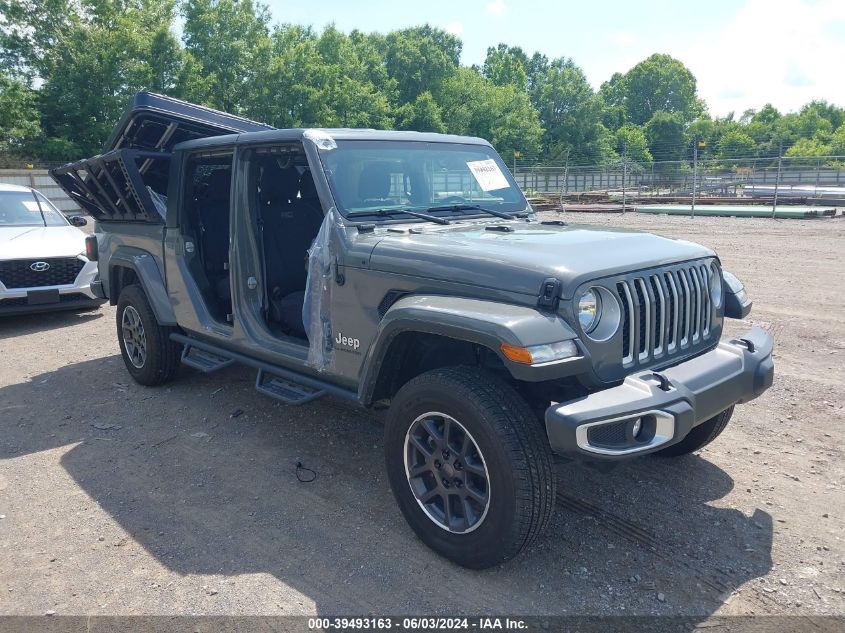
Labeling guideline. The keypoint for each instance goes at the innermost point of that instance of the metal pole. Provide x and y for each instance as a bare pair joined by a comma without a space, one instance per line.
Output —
694,173
624,172
777,179
566,173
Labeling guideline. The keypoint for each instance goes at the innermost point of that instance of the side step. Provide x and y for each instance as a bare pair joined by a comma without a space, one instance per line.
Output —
204,360
287,391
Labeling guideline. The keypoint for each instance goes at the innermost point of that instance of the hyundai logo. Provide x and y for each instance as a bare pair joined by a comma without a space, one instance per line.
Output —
39,267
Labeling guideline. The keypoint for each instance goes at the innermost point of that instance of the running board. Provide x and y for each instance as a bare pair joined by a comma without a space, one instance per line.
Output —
285,390
299,379
204,360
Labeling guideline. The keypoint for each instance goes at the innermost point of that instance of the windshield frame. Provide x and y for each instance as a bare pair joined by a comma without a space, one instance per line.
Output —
43,204
393,215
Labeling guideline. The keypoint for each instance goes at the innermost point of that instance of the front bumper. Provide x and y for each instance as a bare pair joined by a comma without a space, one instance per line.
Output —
79,295
668,403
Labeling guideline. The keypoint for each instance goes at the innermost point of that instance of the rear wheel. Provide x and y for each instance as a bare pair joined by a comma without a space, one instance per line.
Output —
148,353
469,465
700,436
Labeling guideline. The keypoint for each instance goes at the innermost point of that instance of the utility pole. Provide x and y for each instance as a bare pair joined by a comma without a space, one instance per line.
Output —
777,180
694,172
624,172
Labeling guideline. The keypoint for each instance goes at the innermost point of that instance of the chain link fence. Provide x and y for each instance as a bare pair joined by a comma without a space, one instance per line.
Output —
739,177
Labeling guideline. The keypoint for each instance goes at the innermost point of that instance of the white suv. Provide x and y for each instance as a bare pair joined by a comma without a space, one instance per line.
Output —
43,266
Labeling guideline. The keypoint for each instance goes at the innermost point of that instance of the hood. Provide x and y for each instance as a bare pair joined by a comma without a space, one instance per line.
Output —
520,260
31,242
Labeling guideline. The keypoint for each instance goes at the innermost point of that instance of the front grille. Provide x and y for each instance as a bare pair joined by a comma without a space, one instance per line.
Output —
664,312
18,273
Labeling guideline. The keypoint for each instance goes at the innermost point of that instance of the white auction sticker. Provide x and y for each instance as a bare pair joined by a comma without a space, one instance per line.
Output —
31,206
488,174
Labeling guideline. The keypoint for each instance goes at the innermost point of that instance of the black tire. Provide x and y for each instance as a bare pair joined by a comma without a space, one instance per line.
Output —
161,357
514,452
700,436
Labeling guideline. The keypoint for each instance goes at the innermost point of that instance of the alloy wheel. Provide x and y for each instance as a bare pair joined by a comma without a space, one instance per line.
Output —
447,472
134,337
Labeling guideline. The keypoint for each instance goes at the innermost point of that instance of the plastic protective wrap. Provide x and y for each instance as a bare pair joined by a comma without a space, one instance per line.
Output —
316,309
159,201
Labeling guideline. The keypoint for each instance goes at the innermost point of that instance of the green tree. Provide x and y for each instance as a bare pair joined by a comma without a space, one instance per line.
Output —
473,106
229,43
764,128
735,143
809,147
30,29
631,141
419,59
423,115
837,141
505,66
571,114
19,119
287,90
112,51
659,84
613,93
832,113
666,136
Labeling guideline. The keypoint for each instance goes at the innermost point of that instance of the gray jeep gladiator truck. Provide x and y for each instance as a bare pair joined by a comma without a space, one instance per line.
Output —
407,270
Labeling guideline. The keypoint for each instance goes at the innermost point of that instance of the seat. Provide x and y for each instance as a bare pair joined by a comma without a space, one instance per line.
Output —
374,183
289,230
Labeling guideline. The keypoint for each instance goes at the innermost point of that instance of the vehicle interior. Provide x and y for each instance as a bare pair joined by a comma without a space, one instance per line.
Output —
207,208
289,217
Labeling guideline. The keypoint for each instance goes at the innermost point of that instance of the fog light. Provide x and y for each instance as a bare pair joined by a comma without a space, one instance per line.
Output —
637,427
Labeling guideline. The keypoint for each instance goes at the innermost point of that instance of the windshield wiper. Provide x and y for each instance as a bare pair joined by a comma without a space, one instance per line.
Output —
470,207
387,212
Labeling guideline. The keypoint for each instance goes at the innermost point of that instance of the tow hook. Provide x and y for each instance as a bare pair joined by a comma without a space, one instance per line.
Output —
663,381
746,343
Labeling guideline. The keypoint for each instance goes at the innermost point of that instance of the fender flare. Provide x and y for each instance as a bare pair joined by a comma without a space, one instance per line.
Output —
148,273
486,323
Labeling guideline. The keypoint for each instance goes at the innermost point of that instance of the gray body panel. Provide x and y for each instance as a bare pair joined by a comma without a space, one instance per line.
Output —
521,259
140,248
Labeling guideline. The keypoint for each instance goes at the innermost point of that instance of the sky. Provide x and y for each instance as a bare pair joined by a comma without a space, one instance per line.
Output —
744,53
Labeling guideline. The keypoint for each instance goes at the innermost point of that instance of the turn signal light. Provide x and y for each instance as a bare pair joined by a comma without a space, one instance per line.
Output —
536,354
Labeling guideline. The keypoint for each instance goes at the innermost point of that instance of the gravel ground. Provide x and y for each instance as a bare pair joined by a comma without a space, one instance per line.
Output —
120,499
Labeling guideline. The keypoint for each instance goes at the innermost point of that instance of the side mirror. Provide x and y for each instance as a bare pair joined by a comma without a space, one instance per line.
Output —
78,220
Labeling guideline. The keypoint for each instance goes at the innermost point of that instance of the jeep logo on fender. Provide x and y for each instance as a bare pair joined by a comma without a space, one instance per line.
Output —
346,341
39,267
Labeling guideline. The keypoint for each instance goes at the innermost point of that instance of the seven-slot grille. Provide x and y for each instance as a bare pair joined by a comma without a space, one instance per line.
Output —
664,311
18,273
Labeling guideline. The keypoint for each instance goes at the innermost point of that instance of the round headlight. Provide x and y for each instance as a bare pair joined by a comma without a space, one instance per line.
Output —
589,309
715,285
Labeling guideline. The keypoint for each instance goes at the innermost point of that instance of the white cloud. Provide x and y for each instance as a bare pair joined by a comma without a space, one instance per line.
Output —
623,38
496,7
784,52
455,28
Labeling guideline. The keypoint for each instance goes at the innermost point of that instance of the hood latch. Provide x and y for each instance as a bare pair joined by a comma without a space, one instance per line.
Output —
549,294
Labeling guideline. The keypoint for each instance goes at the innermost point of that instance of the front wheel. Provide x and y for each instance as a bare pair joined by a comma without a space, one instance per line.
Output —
148,353
700,436
469,465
